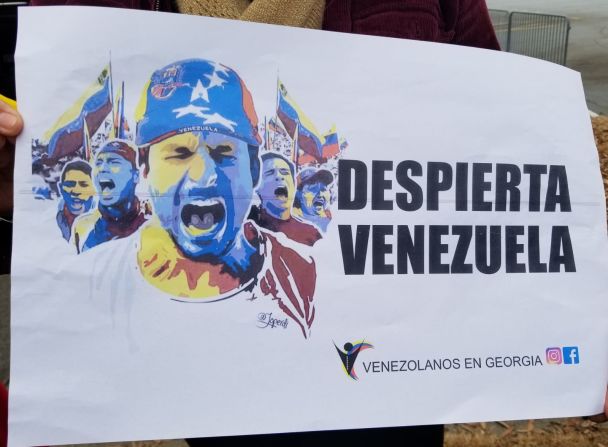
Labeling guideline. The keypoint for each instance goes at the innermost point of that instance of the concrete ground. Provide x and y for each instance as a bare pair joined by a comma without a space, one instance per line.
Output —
588,43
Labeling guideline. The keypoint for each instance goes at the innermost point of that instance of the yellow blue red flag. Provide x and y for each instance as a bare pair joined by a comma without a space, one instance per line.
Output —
310,141
66,136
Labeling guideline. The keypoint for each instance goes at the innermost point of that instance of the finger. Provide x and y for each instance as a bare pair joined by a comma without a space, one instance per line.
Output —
11,122
599,418
602,417
606,405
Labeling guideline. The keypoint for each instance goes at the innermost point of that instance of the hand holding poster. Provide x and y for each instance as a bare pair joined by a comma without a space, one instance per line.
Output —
193,257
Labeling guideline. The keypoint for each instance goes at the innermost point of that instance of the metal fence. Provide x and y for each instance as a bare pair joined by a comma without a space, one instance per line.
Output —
542,36
500,20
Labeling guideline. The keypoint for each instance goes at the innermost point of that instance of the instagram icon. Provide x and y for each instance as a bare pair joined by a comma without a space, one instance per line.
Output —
554,356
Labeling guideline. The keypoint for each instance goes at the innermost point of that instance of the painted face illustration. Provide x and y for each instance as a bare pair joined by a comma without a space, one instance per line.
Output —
77,191
277,188
314,199
115,178
201,188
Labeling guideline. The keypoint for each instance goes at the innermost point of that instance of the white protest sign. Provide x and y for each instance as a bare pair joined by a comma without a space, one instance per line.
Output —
233,228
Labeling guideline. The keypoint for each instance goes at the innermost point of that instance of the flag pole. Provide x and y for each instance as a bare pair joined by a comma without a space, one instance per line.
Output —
88,153
114,111
121,117
266,134
276,109
295,146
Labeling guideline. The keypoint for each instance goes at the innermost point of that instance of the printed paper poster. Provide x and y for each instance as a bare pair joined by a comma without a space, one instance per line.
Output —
227,228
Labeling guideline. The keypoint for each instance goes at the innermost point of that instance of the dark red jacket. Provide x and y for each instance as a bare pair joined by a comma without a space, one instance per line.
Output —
150,5
461,22
3,415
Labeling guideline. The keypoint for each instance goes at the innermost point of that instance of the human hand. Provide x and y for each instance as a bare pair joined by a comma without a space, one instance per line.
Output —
602,417
11,125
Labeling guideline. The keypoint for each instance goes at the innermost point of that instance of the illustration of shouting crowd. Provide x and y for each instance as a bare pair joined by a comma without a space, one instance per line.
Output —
222,217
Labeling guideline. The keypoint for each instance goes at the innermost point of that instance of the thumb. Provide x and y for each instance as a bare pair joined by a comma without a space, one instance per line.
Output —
11,122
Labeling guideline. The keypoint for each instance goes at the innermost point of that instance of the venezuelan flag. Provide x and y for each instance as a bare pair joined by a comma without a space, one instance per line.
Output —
331,147
273,126
309,139
66,136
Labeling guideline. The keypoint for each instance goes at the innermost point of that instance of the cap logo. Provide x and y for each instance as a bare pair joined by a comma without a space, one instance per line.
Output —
164,87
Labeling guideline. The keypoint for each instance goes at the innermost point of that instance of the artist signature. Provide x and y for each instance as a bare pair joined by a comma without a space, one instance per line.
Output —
265,319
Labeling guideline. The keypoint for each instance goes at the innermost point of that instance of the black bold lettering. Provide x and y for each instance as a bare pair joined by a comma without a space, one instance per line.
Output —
380,249
380,184
350,198
534,264
561,243
508,178
410,250
354,253
558,181
438,178
413,200
437,248
481,249
481,186
513,248
465,234
462,186
534,171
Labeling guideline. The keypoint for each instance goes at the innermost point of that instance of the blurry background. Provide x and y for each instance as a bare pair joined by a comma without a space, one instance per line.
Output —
584,47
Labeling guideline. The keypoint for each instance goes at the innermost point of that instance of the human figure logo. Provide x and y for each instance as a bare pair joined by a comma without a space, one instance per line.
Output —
349,355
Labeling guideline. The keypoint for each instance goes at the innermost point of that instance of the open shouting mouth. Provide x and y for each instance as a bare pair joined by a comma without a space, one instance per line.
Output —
203,217
319,204
77,204
107,186
281,192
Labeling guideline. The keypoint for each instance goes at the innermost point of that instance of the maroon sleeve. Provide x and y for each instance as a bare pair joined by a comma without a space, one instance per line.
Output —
3,415
462,22
473,26
411,19
150,5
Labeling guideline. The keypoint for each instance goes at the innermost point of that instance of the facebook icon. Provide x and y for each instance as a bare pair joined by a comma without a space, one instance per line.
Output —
571,355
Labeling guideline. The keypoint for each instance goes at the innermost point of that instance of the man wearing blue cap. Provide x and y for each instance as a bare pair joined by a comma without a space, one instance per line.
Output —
118,213
313,197
198,139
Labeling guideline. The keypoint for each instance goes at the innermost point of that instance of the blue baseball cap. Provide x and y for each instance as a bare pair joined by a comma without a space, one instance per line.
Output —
195,95
311,175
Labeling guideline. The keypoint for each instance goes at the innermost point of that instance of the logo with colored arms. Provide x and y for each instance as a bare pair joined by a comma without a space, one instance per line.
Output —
349,356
